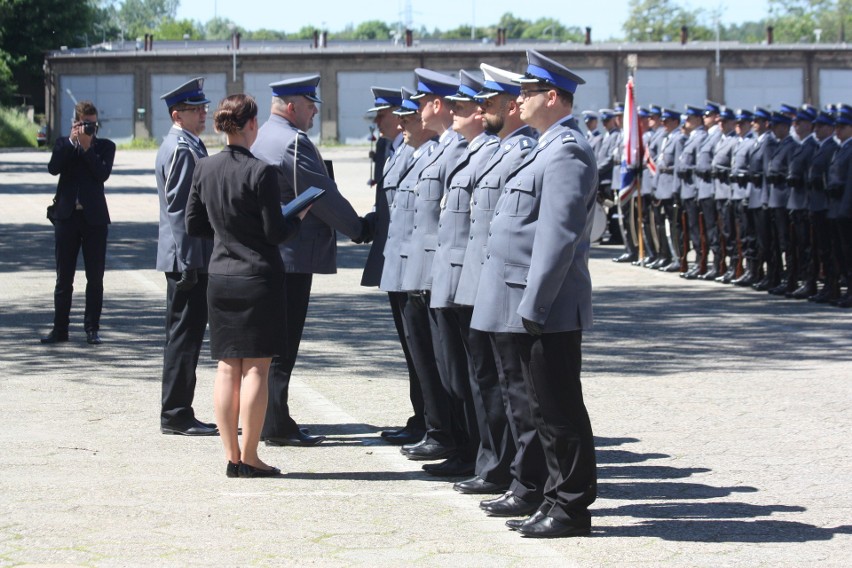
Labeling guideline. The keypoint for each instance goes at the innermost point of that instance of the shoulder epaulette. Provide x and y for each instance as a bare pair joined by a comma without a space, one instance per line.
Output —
568,138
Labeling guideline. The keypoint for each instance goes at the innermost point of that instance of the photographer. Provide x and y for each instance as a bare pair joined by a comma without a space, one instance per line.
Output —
83,163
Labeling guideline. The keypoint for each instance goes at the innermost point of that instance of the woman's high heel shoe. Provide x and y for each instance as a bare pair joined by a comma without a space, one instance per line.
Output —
247,470
233,469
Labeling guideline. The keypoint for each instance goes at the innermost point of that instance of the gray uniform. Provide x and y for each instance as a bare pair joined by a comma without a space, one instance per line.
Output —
513,149
314,250
173,168
536,265
739,169
779,163
797,170
402,217
419,252
723,157
686,161
666,185
454,220
704,163
758,162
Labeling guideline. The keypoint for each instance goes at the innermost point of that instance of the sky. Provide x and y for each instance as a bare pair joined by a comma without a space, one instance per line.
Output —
603,16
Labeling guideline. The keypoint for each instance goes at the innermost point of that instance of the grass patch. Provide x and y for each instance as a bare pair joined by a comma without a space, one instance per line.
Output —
16,131
140,144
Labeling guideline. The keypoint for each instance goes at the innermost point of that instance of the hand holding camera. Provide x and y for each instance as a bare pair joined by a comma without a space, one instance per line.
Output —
83,132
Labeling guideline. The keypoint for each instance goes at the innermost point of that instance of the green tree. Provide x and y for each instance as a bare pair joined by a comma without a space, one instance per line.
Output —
264,34
32,27
177,29
515,26
139,17
662,20
372,30
306,32
810,21
221,28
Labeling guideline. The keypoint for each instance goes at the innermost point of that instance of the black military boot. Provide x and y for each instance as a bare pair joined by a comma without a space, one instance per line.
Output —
728,276
748,277
713,272
806,290
830,292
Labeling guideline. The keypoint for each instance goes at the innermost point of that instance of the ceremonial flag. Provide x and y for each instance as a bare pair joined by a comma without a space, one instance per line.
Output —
633,151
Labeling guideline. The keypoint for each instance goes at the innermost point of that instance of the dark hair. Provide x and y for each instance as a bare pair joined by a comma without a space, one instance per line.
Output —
83,108
234,112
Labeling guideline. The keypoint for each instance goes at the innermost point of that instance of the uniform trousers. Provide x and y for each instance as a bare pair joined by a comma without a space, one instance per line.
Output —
648,229
843,237
802,245
186,321
781,241
415,394
692,227
71,235
437,408
764,224
495,449
822,251
666,224
297,295
528,468
748,231
711,226
726,211
451,352
551,365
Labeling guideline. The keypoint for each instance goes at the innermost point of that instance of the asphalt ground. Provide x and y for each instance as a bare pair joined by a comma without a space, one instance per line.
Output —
721,415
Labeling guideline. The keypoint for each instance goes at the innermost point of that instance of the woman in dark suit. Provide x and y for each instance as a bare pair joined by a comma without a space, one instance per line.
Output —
234,200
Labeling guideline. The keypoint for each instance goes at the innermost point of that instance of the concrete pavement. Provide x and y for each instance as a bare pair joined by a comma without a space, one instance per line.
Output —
721,417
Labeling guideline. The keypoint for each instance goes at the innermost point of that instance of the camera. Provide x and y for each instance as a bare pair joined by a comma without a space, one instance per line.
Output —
89,127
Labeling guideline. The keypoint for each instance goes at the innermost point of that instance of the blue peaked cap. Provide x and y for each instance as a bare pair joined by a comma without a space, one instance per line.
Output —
545,70
385,98
190,93
498,81
433,83
469,87
305,86
408,106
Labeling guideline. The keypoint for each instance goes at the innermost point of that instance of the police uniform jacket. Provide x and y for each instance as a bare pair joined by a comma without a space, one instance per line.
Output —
314,250
666,185
419,251
512,150
776,176
454,220
81,178
685,164
739,173
704,163
839,198
606,155
402,217
758,166
595,137
723,156
173,169
816,179
653,142
797,170
536,265
380,217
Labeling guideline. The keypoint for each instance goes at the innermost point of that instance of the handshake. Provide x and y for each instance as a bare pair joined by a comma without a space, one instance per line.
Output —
368,229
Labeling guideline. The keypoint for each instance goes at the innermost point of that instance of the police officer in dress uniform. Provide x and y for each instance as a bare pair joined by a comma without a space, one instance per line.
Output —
386,101
282,142
707,191
498,461
474,454
779,195
535,288
444,411
797,202
720,170
184,259
839,189
815,181
423,142
739,196
593,133
758,198
652,141
666,210
685,172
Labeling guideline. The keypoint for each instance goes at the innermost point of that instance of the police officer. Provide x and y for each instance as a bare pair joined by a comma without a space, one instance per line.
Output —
652,137
707,191
685,172
779,195
839,189
758,198
816,180
282,141
545,214
740,178
593,133
184,259
666,211
723,155
501,457
797,203
386,101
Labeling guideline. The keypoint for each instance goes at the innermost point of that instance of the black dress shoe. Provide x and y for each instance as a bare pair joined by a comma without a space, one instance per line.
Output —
404,436
453,467
626,257
515,524
659,263
55,337
427,451
478,486
298,438
548,527
196,429
92,338
508,505
803,292
779,290
233,469
711,274
246,470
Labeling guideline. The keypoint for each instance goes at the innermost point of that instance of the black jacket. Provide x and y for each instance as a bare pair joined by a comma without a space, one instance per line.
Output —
81,178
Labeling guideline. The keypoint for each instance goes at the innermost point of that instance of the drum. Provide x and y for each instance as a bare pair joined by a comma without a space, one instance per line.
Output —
598,223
